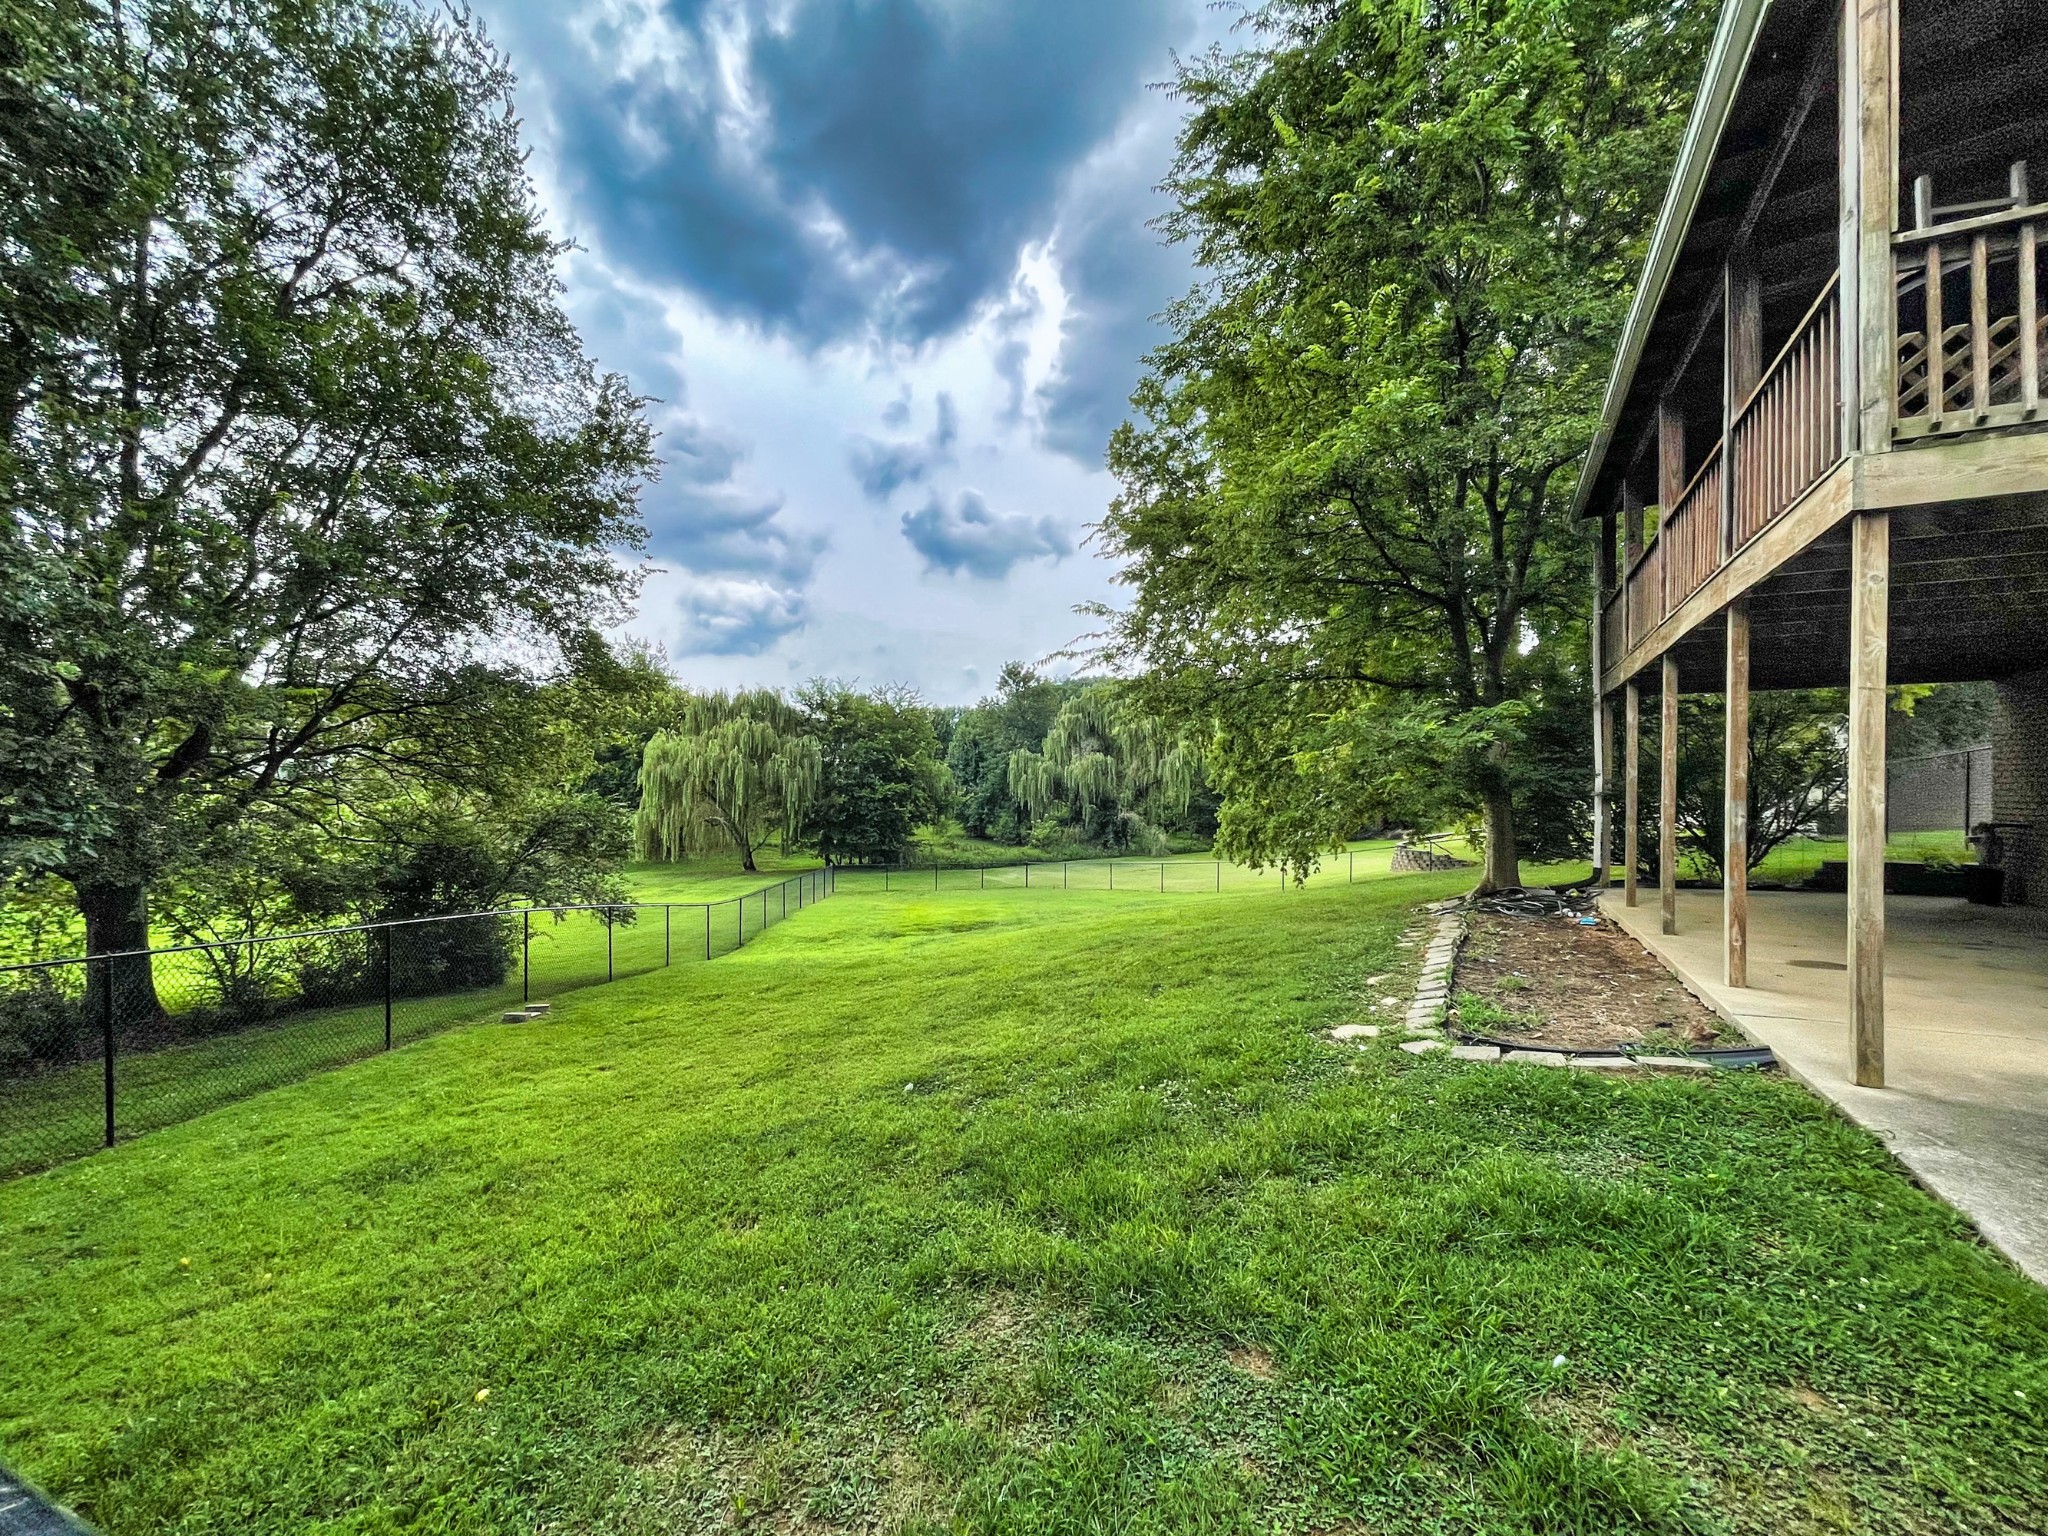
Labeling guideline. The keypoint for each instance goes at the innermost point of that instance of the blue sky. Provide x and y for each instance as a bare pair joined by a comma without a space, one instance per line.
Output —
885,265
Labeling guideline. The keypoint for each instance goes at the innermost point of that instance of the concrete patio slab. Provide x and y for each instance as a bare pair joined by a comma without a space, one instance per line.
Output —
1966,1034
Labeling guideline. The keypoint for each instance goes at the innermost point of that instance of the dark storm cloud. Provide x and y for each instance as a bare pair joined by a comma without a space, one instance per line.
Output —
968,537
868,166
1119,276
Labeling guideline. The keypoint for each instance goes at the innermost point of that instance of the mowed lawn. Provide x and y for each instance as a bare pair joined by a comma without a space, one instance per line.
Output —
1013,1212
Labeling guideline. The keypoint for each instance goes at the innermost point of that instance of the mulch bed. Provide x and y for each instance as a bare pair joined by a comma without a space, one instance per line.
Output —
1549,982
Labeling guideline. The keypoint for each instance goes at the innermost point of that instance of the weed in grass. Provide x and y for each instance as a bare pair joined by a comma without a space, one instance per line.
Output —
1482,1015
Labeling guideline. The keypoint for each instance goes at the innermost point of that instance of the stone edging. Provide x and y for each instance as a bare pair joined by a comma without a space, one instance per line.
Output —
1424,1021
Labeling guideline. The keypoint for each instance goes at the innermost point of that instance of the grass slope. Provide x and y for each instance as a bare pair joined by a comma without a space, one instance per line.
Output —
1012,1213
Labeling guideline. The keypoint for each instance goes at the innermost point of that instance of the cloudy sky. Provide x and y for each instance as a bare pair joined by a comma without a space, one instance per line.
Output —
885,265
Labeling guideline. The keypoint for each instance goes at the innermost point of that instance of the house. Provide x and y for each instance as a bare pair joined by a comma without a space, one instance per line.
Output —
1822,459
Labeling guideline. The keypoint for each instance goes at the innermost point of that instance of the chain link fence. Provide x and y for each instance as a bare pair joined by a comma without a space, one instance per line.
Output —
105,1047
1158,875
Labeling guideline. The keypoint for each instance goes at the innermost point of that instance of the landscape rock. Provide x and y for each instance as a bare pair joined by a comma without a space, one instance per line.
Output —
1537,1058
1422,1047
1475,1053
1355,1032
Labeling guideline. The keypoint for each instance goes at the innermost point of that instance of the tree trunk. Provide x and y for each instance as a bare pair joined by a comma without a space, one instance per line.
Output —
116,921
747,858
1503,858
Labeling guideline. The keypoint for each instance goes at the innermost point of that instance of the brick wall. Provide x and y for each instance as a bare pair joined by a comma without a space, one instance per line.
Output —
2019,751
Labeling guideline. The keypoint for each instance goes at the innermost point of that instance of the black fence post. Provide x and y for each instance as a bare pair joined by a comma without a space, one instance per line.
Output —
984,877
935,871
1027,874
1350,865
1219,875
107,1042
707,930
387,986
1112,874
741,907
1162,877
608,942
1063,874
526,956
667,947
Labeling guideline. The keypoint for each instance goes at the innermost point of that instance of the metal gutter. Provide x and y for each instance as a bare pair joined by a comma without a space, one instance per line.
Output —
1727,62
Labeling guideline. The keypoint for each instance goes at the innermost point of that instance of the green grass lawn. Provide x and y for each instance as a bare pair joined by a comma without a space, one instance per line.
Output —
995,1213
57,1114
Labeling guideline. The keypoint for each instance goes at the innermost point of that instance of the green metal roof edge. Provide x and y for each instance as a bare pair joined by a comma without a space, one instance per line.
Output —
1727,61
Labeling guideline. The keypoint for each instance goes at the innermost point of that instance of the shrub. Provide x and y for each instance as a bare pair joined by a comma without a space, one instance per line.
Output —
38,1022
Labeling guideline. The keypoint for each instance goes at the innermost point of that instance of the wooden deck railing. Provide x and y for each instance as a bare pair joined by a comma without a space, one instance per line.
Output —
1785,438
1690,534
1644,591
1973,286
1613,629
1788,433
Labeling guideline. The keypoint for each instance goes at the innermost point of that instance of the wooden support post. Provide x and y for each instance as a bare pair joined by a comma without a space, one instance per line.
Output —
1980,327
1632,790
1735,811
2030,320
1744,370
1869,630
1869,157
1667,796
1631,550
1603,771
1670,487
2026,259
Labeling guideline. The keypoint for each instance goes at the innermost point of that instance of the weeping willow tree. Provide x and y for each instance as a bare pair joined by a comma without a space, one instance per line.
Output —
736,770
1108,771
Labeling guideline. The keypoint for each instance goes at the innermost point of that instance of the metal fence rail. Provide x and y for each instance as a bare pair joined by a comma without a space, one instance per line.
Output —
103,1047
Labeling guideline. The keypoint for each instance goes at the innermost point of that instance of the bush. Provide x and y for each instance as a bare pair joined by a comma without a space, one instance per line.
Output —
452,955
38,1022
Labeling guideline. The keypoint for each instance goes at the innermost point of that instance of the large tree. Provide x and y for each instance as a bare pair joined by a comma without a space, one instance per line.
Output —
734,771
1014,719
1109,774
300,457
880,776
1342,510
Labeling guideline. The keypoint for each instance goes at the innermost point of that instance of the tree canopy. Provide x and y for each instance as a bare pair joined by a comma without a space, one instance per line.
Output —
304,468
1342,508
734,771
1109,774
1014,719
880,776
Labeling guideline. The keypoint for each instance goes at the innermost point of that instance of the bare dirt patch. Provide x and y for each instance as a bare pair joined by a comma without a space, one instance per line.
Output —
1549,982
1252,1361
